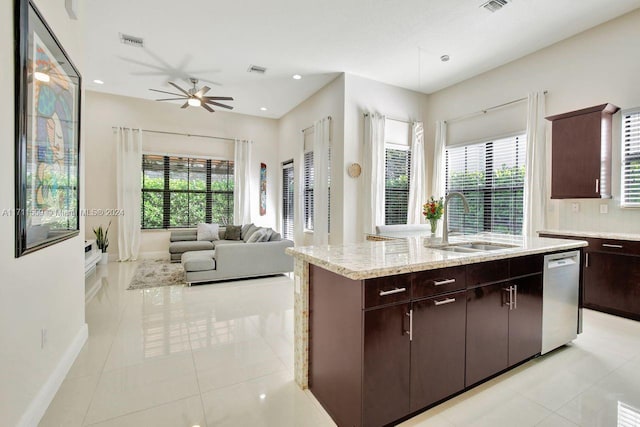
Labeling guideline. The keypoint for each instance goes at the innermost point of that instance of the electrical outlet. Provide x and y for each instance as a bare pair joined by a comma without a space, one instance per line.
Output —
43,338
575,207
604,208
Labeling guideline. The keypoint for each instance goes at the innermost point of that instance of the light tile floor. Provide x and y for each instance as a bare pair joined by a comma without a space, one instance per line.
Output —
222,355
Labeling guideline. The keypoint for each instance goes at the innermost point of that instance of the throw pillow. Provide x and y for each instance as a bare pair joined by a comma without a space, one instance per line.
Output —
208,232
244,230
275,237
232,232
252,229
257,235
267,235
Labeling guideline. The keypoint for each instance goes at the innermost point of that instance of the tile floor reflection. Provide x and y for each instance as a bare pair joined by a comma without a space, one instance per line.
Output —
222,355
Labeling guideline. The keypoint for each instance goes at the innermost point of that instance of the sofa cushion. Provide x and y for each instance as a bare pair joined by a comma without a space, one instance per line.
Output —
199,261
275,237
183,235
252,229
257,235
193,245
244,229
208,232
232,233
267,235
225,242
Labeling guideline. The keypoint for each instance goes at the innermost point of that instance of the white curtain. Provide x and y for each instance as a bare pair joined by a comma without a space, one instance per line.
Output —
128,170
439,167
535,186
373,168
298,194
417,175
321,178
242,182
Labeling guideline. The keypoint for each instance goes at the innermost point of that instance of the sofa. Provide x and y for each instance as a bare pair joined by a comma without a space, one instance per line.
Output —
210,261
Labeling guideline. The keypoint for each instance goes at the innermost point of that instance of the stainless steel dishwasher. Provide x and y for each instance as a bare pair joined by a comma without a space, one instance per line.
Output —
560,301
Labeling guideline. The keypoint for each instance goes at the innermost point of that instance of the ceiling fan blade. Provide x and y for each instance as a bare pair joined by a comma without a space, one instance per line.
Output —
228,107
179,88
164,91
206,107
186,104
219,98
202,91
170,99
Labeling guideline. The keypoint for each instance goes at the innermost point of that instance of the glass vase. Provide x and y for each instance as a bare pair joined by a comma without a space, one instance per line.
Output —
434,225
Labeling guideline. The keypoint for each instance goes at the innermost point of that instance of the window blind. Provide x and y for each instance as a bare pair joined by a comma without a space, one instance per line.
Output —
287,200
183,191
631,158
491,177
396,188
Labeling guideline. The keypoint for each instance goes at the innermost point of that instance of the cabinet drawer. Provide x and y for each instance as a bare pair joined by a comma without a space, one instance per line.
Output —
387,290
487,272
434,282
524,265
622,247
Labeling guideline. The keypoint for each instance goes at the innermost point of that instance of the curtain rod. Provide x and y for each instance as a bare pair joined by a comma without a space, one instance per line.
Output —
394,120
486,110
177,133
311,127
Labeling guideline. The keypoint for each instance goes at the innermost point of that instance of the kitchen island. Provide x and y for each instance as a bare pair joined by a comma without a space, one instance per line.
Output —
386,329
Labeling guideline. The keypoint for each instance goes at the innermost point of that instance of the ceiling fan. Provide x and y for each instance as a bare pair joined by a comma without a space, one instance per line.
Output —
194,97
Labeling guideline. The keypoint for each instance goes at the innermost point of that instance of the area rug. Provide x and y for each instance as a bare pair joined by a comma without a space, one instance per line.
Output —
153,273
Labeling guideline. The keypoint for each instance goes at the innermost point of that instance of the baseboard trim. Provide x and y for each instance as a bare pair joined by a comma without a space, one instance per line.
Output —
43,399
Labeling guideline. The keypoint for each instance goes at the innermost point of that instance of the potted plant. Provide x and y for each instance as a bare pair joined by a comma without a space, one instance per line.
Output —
432,210
102,241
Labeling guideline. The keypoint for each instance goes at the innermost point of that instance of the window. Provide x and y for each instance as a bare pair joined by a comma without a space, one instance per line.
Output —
287,199
491,176
630,176
397,160
309,179
182,191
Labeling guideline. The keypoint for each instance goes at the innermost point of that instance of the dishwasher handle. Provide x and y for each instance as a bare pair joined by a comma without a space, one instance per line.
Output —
562,262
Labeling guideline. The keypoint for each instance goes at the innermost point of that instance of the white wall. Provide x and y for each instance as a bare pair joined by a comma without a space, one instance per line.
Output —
104,111
364,95
597,66
44,289
328,101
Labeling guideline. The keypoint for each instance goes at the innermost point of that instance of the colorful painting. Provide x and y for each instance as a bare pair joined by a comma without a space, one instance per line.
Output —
263,189
48,126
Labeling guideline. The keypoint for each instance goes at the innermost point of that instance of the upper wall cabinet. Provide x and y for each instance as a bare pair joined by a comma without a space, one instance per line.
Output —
581,153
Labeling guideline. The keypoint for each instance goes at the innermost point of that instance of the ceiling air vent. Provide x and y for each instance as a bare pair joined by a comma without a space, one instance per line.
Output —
256,69
131,40
494,5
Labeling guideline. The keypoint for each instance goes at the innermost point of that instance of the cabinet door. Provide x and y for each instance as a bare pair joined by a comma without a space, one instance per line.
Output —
437,349
525,319
386,365
487,331
612,284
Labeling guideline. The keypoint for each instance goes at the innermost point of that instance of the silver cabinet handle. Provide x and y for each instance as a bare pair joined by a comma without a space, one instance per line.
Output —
515,297
510,290
586,259
443,282
410,331
392,291
597,185
445,301
609,245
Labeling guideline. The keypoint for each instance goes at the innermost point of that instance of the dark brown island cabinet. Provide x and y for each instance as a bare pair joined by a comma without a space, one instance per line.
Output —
383,349
611,275
581,153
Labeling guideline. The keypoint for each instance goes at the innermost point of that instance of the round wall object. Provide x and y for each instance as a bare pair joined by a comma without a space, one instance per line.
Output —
354,170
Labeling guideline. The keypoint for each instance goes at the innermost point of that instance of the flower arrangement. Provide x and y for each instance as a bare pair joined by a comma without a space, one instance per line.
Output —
433,209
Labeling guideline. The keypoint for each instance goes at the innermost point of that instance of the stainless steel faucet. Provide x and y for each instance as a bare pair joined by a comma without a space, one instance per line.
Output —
445,222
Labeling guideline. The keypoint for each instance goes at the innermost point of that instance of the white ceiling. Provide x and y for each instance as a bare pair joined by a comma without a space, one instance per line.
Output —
393,41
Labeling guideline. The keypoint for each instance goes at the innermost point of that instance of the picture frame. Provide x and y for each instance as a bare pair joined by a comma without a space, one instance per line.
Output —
47,135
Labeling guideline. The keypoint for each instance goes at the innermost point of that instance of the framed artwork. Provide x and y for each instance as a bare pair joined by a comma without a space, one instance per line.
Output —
263,189
47,112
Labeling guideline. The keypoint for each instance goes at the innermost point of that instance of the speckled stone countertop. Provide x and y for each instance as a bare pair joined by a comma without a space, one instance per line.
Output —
371,259
594,234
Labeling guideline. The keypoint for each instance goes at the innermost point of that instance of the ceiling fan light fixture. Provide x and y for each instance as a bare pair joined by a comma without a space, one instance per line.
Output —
194,102
43,77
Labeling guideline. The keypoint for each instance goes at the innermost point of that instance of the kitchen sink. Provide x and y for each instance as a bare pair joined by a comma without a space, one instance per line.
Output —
474,247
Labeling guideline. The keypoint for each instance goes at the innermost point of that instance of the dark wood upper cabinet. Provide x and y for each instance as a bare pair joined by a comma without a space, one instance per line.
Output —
581,153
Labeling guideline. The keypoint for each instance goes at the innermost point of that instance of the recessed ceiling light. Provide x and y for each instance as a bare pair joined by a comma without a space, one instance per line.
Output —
98,82
263,108
263,396
43,77
296,77
444,58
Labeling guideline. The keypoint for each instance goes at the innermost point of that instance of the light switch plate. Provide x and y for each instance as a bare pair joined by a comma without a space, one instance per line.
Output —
604,208
575,207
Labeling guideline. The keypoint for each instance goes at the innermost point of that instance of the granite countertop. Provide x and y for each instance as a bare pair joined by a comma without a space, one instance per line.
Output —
594,234
371,259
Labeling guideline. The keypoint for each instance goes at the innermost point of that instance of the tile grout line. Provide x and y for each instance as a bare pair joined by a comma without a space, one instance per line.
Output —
195,371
